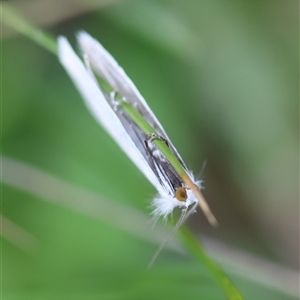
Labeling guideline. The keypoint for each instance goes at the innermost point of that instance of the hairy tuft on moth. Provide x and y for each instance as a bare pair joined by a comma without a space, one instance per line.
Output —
118,106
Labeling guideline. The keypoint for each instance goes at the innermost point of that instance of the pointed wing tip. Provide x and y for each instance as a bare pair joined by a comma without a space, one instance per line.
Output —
85,40
81,34
63,48
61,41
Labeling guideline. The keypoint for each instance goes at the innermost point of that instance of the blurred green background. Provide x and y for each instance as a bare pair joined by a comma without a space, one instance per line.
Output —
223,79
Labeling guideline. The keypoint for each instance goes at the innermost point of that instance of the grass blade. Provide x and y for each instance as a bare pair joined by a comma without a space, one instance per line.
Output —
12,19
197,250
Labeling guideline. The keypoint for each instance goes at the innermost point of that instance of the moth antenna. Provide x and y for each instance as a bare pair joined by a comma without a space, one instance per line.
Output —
191,211
202,169
167,240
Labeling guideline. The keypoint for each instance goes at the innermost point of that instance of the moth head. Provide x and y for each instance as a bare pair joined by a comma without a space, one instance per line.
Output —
181,194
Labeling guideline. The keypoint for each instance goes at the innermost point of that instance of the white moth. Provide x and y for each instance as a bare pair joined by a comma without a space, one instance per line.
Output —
172,191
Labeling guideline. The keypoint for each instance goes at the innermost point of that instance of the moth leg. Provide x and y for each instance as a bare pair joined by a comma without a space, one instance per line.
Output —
153,136
116,99
158,163
149,139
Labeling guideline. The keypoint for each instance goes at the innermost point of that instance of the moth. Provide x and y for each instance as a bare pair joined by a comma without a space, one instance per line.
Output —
143,146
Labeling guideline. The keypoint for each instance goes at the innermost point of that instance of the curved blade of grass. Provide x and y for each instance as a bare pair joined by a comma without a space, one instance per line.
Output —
12,19
197,250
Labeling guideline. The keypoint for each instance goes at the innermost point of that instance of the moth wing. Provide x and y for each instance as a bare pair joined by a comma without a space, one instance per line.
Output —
107,68
100,109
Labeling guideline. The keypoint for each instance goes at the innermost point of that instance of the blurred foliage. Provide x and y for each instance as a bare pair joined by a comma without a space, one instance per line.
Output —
222,77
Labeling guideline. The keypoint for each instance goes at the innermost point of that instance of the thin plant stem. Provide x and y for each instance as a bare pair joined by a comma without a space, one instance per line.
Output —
192,243
12,19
